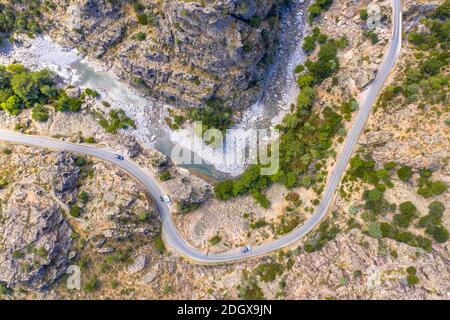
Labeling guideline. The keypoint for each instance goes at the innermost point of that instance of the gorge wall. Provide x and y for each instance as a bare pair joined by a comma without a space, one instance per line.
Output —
184,53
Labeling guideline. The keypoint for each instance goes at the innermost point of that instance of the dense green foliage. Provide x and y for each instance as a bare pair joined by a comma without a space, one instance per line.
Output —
412,276
117,120
268,271
425,77
324,234
404,173
39,113
433,222
25,18
21,88
75,211
164,175
376,206
428,188
213,116
215,240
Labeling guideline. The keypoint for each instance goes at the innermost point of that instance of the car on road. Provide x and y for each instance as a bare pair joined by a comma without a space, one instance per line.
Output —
246,249
168,200
119,157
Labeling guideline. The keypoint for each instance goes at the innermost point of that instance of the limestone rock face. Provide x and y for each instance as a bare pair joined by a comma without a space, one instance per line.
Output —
34,238
191,52
187,189
375,138
64,175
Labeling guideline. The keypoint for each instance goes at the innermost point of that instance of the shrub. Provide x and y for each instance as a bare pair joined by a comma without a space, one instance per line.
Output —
65,103
13,105
75,211
363,15
140,36
407,213
261,199
84,197
92,285
404,173
268,272
375,231
117,120
39,113
214,116
215,240
309,44
428,188
164,175
443,11
158,244
249,289
436,209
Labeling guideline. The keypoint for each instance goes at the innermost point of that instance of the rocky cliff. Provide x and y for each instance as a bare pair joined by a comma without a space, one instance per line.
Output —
181,52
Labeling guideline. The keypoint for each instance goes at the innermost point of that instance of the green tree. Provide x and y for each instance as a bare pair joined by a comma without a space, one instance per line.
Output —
13,105
404,173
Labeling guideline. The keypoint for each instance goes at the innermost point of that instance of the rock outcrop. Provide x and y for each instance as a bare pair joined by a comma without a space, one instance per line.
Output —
35,238
181,52
64,174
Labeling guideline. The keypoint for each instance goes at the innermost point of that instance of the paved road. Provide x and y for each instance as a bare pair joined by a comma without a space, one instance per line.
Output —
170,234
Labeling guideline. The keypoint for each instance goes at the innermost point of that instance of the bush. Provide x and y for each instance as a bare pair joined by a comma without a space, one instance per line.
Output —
84,197
214,116
439,233
215,240
375,231
443,11
164,175
91,285
140,36
39,113
261,199
268,272
363,15
407,214
158,244
436,209
309,44
117,120
404,173
65,103
412,277
13,105
75,211
428,188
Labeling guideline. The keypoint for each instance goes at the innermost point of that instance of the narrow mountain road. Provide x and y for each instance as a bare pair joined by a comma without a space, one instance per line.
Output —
170,234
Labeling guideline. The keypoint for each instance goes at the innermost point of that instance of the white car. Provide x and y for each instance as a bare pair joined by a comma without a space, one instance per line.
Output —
168,200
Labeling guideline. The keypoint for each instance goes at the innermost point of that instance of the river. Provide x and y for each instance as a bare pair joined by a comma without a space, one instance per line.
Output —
279,91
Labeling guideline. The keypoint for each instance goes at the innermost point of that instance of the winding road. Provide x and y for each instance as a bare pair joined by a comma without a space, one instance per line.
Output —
170,234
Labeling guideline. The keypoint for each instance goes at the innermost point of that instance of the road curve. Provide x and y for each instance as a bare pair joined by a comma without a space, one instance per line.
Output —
170,234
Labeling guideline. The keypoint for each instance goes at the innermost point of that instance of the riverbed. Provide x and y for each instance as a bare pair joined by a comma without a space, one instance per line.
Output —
279,91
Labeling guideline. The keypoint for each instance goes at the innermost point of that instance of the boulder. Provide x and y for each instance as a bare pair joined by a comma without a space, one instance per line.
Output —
138,265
